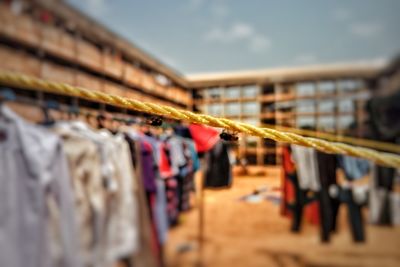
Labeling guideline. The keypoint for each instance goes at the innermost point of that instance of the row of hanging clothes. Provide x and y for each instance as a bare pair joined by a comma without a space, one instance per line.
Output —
75,195
317,184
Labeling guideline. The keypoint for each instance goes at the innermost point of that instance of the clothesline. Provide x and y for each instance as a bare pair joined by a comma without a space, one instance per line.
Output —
27,82
378,145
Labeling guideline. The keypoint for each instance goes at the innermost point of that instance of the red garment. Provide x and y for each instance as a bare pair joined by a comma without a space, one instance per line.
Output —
165,167
288,189
311,213
204,137
287,162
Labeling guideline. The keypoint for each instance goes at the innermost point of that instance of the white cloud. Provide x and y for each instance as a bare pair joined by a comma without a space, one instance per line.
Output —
366,29
239,33
342,14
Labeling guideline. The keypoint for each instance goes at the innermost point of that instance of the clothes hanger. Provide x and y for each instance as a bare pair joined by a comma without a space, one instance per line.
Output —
47,106
100,118
73,112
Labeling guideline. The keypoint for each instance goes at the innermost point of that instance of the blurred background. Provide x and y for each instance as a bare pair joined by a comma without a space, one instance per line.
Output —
324,69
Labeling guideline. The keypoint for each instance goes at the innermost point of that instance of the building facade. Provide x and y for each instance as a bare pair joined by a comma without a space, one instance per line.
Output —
328,98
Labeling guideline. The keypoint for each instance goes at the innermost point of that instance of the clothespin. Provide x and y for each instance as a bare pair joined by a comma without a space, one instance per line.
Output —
154,121
73,109
228,136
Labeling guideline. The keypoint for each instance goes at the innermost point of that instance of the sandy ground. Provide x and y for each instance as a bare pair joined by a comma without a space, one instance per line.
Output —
254,234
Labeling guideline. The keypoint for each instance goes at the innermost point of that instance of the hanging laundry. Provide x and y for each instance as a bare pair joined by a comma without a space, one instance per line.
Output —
307,167
354,168
288,182
144,256
204,137
395,208
381,185
218,172
37,219
354,201
299,202
329,206
84,165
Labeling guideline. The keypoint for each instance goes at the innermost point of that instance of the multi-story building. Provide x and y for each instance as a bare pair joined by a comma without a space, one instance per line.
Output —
326,98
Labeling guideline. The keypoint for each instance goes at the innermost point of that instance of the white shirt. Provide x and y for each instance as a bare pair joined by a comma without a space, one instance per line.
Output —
307,167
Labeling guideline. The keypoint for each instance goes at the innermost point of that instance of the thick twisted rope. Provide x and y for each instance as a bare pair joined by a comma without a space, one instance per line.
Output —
381,146
31,83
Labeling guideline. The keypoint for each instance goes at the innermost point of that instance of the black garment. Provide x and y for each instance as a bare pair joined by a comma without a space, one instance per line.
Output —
327,165
183,131
218,171
302,199
384,177
356,221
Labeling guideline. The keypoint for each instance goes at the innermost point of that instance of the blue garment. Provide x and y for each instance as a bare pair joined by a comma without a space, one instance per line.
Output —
194,155
177,155
354,168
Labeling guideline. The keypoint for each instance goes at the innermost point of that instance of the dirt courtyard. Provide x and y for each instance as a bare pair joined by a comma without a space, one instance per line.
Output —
255,234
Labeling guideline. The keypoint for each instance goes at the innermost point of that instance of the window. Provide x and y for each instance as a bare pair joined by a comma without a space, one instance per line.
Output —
285,105
215,109
214,93
326,87
345,122
327,123
350,84
161,79
250,91
305,121
251,108
346,105
232,109
305,89
232,92
305,106
251,141
326,106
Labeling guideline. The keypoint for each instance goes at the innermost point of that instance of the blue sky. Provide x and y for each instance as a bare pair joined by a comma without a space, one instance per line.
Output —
218,35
